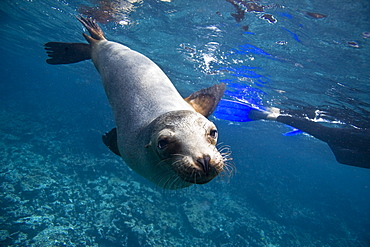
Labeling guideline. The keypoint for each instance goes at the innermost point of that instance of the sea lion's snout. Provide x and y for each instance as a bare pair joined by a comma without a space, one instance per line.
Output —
200,161
204,162
183,160
202,170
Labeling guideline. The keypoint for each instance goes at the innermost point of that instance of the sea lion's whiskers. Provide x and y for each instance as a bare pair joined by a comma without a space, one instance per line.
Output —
228,171
163,176
226,156
181,155
225,151
165,183
170,158
176,181
223,148
170,179
169,182
176,162
179,164
195,176
163,161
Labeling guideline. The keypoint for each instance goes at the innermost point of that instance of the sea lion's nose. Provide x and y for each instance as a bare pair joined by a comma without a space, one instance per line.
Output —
204,162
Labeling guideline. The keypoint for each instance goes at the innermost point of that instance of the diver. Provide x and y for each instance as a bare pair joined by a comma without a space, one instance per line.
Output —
351,146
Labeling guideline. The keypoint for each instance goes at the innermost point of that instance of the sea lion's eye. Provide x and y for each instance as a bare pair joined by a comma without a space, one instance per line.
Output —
213,133
162,143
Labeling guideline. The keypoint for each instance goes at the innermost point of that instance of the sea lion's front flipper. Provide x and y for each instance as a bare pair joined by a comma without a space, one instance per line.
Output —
110,140
64,53
206,100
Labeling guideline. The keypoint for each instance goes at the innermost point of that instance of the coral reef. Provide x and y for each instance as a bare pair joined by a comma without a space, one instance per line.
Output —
55,194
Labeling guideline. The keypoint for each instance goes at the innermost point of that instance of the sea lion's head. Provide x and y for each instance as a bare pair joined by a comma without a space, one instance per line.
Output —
185,143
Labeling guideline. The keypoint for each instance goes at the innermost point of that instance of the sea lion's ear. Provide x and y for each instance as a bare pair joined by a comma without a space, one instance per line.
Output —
148,145
206,100
110,140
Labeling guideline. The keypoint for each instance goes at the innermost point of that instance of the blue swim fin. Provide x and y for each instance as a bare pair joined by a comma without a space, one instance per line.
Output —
293,132
240,112
234,111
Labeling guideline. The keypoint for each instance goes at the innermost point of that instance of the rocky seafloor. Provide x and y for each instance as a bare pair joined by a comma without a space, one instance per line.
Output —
54,192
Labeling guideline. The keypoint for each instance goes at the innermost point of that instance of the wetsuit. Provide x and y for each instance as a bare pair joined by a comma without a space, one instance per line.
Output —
350,146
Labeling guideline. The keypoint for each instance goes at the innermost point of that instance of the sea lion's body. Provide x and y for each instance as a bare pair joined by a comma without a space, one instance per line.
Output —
138,92
155,126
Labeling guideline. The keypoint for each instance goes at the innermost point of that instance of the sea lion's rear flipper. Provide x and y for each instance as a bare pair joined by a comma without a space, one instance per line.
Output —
206,100
93,28
64,53
110,140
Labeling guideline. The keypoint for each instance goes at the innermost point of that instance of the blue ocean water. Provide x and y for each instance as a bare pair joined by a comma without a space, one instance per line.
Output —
60,186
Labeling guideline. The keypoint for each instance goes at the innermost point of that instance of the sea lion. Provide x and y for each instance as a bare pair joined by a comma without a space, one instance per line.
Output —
161,136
